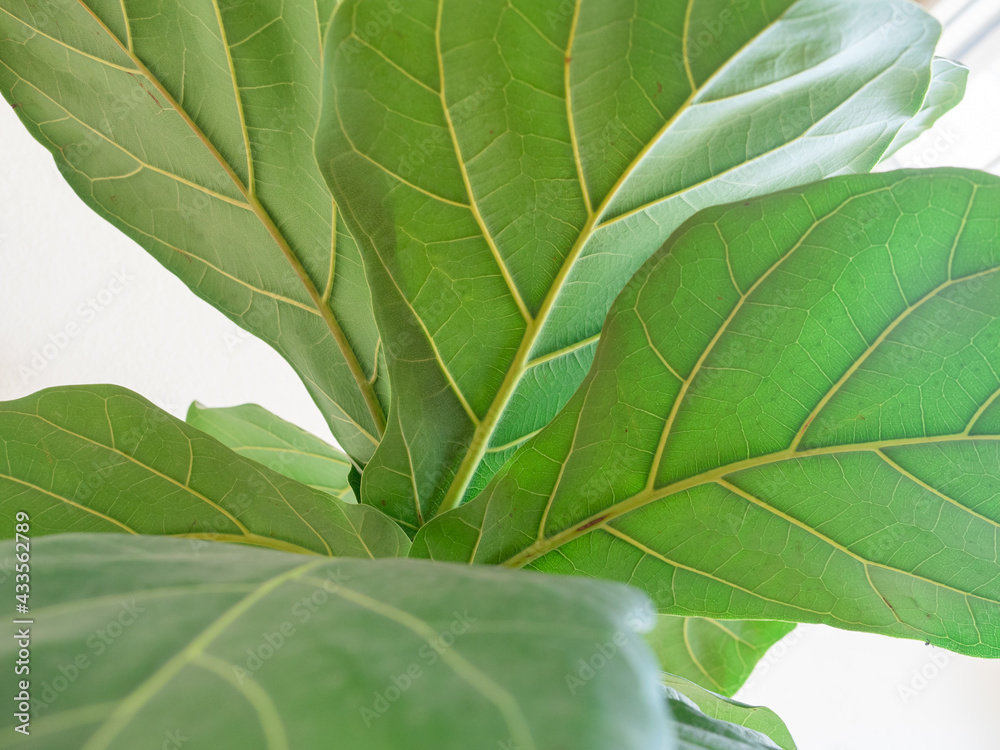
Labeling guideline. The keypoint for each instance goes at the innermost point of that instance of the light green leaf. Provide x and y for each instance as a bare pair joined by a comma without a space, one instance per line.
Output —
101,458
507,165
240,649
189,126
715,706
948,81
703,729
256,433
716,655
793,414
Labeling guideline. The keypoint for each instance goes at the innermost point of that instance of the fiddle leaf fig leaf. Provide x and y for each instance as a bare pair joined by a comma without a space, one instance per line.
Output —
793,413
101,458
189,126
948,81
245,648
256,433
507,165
710,722
719,656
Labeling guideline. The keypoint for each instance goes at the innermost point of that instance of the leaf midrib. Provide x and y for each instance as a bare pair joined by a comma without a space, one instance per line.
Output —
361,380
133,703
646,496
485,427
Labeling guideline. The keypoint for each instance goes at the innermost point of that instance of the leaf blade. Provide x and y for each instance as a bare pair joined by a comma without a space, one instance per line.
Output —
715,655
101,458
257,434
873,508
197,617
472,210
205,159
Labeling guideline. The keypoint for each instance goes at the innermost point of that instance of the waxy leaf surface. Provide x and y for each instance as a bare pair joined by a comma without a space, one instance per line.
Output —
699,731
723,709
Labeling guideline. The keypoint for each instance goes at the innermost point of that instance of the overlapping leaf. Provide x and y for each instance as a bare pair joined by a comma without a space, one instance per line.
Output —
719,656
236,648
948,81
700,731
101,458
506,165
794,413
733,712
258,434
189,126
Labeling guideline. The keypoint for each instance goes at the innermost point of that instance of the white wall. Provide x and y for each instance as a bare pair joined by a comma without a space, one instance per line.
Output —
836,690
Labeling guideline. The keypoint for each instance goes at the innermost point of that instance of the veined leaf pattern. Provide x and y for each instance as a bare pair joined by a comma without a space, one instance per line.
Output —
189,125
507,165
794,413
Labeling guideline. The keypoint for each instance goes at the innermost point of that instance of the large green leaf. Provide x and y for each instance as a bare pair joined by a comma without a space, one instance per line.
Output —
101,458
723,709
507,165
793,414
240,649
256,433
716,655
188,124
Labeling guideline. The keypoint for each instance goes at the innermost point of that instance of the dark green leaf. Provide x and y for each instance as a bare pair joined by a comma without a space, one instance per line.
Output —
698,731
723,709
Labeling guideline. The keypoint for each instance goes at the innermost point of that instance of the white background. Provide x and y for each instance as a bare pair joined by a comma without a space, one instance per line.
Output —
835,690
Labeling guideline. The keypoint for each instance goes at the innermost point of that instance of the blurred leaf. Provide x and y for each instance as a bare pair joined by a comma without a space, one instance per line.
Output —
238,648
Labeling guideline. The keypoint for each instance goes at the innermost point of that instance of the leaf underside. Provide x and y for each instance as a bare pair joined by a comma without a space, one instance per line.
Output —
238,648
191,129
722,708
506,166
719,656
101,458
255,433
794,413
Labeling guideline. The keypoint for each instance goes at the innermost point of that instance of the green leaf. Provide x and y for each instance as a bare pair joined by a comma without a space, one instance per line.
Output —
793,414
256,433
101,458
755,718
506,166
948,81
716,655
237,648
702,730
189,126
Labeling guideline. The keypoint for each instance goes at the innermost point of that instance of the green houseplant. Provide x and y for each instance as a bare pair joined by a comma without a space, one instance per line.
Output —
584,288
